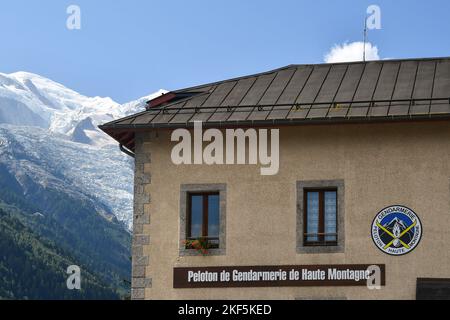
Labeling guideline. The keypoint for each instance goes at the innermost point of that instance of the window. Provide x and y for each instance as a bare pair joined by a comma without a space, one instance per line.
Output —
320,217
203,218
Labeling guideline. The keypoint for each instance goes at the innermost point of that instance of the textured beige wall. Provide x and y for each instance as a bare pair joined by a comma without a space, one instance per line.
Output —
381,164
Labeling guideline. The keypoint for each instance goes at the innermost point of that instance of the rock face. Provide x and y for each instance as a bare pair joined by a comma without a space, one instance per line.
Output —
79,132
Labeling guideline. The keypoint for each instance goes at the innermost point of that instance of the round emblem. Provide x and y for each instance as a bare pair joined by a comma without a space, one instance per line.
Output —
396,230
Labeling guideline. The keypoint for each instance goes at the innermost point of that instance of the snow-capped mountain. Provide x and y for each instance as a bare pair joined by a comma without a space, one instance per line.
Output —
29,99
49,134
394,221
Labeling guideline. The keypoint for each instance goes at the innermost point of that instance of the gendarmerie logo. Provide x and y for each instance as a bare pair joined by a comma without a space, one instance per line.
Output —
396,230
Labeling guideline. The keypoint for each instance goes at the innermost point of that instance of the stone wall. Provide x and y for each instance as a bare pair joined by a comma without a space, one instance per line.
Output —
140,261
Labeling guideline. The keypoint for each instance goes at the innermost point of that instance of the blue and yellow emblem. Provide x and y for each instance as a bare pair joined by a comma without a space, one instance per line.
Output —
396,230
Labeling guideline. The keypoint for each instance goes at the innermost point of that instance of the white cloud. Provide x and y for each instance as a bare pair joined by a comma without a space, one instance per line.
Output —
353,51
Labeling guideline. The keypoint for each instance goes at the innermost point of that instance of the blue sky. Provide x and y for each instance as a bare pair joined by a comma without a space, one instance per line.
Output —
128,49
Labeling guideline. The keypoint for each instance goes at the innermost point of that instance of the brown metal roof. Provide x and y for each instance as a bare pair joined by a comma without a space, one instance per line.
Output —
297,94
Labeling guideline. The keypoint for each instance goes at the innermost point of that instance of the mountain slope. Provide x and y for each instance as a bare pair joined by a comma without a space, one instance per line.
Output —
32,267
94,165
73,223
65,192
41,161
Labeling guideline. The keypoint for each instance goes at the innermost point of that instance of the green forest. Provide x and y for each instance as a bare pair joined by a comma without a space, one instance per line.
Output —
44,231
35,268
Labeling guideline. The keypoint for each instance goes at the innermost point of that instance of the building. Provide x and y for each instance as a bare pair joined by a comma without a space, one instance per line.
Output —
362,187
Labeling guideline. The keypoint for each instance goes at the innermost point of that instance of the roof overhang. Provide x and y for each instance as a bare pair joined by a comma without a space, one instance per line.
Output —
125,134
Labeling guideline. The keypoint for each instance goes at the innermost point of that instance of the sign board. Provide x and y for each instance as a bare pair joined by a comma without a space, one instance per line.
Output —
275,276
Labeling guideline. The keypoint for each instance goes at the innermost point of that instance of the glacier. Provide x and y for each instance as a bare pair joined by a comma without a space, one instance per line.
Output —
49,133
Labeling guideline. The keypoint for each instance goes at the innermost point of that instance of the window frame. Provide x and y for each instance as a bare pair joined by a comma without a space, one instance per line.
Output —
205,215
185,191
325,185
321,235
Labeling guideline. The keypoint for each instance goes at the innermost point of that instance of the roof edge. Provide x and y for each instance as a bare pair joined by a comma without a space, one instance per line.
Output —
306,65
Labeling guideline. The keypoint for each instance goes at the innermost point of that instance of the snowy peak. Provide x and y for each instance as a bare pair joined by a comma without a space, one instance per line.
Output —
80,132
32,100
140,104
396,221
57,95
